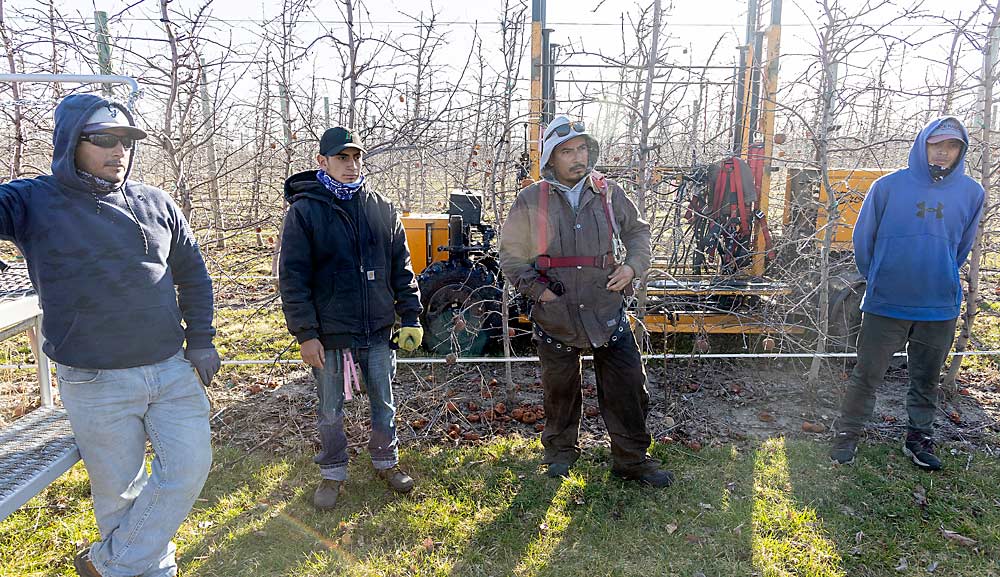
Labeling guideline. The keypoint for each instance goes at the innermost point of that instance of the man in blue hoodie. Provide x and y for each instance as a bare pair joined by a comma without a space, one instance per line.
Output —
915,230
344,275
117,271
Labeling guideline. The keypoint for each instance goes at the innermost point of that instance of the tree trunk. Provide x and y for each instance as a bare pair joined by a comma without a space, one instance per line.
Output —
645,168
208,117
972,299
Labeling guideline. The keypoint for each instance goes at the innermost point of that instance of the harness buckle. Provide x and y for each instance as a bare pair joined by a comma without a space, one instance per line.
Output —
543,263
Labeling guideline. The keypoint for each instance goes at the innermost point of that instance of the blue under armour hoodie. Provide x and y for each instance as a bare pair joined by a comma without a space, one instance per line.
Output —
913,234
116,272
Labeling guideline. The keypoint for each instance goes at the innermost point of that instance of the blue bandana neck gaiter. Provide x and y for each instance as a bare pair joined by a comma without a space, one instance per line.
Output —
339,190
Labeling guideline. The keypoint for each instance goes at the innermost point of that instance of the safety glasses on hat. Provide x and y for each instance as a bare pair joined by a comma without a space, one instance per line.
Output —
104,140
564,129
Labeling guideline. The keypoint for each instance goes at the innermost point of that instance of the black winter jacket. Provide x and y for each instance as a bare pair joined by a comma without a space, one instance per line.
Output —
333,287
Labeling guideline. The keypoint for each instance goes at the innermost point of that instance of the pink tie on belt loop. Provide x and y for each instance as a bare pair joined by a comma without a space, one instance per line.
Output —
350,374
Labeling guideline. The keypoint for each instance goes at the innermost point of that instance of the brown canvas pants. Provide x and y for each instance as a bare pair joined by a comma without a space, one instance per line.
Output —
621,395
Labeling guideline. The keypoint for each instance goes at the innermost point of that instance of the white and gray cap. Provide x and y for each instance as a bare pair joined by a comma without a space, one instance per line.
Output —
559,131
108,117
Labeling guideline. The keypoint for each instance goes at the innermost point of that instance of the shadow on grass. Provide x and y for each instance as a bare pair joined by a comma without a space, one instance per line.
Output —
268,526
885,516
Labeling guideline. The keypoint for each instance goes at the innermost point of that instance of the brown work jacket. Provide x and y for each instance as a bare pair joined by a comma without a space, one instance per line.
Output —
587,313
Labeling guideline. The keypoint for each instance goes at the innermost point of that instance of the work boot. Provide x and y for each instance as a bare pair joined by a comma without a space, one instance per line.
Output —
397,479
920,449
650,476
556,470
845,447
326,494
83,565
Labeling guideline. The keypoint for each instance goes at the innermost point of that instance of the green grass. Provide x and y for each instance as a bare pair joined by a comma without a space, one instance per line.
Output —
772,509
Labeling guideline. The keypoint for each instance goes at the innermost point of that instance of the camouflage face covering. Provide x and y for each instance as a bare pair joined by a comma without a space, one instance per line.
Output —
95,182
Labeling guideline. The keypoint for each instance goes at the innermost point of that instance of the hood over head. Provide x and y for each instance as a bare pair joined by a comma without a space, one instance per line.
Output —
560,130
918,163
71,115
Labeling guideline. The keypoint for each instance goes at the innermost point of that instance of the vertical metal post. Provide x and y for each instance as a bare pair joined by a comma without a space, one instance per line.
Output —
42,365
534,133
767,125
103,46
548,83
750,77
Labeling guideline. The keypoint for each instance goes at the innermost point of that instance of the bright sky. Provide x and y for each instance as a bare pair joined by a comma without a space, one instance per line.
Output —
694,26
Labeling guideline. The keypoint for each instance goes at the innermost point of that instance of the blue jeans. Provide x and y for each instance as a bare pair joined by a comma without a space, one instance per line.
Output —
113,412
378,368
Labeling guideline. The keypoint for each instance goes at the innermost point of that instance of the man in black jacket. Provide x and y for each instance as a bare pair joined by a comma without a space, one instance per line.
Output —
345,274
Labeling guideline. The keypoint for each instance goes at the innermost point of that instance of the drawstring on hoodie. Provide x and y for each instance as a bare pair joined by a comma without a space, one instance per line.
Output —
142,233
99,185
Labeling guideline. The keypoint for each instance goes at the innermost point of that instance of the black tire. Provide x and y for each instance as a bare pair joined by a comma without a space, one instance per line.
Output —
461,308
845,319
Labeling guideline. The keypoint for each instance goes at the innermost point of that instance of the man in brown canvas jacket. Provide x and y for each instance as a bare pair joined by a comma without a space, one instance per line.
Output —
572,243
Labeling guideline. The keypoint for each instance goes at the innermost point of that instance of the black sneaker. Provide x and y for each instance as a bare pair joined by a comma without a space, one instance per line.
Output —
845,447
920,449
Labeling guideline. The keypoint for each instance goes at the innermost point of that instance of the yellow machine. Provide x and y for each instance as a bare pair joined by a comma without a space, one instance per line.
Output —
427,237
850,187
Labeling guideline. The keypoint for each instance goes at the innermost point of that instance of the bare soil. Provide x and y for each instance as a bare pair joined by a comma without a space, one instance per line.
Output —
694,404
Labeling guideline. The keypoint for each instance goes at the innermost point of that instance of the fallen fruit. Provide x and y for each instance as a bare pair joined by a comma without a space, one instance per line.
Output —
451,359
767,344
529,418
418,423
472,406
471,436
451,407
810,427
765,417
474,418
539,427
591,411
500,408
693,445
517,413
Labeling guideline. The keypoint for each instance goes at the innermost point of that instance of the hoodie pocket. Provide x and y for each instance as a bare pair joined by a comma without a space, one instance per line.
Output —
119,338
916,271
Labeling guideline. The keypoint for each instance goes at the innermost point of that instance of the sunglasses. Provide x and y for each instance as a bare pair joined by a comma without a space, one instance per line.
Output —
564,129
109,140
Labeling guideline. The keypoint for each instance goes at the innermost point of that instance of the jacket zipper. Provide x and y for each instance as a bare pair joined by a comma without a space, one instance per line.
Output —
361,261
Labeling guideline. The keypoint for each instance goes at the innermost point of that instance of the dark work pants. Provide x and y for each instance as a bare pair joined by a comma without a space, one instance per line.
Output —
621,394
929,343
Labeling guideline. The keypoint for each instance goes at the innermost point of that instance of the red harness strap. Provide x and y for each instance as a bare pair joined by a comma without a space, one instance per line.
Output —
768,240
730,179
544,262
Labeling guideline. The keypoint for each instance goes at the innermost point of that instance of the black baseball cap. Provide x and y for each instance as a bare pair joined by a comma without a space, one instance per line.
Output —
337,139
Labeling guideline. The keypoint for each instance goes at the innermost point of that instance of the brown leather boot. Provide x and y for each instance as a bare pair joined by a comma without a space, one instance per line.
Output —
397,479
326,494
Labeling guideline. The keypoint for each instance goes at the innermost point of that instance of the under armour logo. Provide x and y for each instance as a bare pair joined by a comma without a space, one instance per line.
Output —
922,209
113,111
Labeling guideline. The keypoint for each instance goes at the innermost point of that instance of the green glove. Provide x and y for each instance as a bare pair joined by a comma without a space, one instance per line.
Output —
410,338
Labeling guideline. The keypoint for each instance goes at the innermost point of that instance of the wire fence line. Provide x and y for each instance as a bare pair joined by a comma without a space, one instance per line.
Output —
498,360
